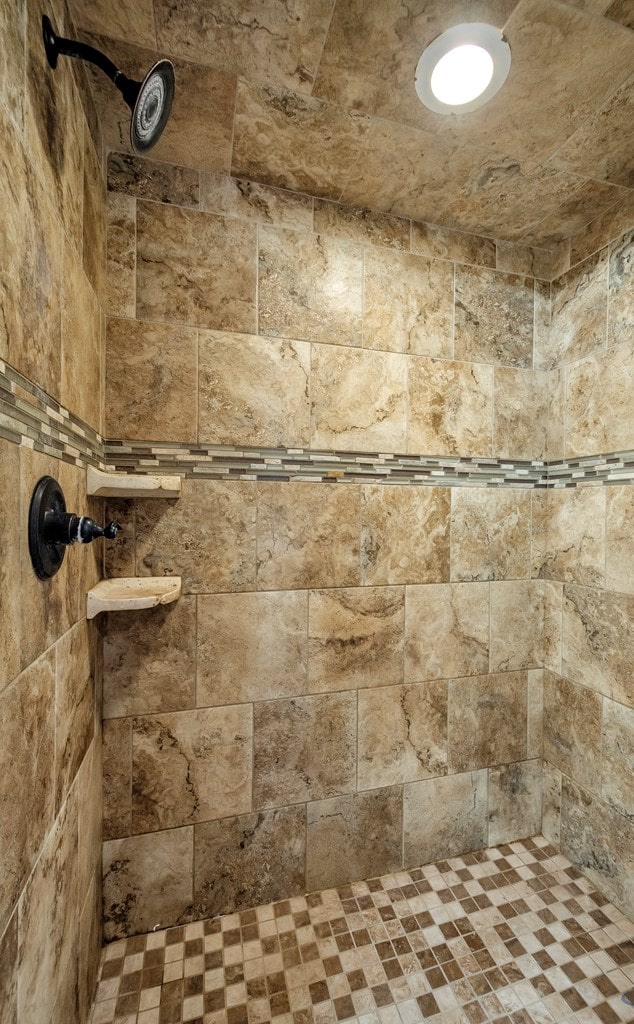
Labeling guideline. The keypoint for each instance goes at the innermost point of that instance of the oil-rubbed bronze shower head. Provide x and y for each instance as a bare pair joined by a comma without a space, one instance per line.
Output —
150,100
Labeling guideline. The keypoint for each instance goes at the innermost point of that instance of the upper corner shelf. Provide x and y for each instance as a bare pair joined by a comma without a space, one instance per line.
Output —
132,594
122,485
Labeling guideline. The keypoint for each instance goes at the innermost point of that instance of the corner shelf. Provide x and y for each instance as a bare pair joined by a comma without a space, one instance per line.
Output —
123,485
132,594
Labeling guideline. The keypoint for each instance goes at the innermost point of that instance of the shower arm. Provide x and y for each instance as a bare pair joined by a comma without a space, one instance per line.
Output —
56,45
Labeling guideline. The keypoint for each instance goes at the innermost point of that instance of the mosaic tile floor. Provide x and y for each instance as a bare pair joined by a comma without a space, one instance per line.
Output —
511,934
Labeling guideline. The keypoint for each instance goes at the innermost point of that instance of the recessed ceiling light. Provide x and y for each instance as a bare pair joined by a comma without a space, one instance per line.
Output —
463,68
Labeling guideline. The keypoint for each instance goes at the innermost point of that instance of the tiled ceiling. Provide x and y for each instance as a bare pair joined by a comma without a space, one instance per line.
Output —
319,97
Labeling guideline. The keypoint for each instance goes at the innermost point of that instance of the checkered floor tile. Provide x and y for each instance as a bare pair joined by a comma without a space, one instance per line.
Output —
513,934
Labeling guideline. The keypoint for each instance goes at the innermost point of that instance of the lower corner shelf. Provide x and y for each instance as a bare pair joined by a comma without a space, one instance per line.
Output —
132,594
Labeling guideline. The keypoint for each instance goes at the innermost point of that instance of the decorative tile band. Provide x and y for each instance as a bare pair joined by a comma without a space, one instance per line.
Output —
30,417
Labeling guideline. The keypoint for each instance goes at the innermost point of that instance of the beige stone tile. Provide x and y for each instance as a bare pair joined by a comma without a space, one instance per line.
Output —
8,973
517,625
494,317
444,817
121,264
195,268
523,414
294,141
596,150
621,303
542,336
404,534
200,127
147,179
95,226
308,536
450,408
515,801
551,803
149,661
514,258
620,10
355,638
191,766
150,381
535,712
27,778
572,730
49,927
74,706
12,75
402,734
597,641
230,858
487,720
310,287
579,310
598,840
89,949
250,200
172,536
585,201
251,647
490,534
120,554
253,391
407,304
619,567
555,404
617,757
601,230
11,526
353,837
446,631
117,20
599,395
358,224
264,42
117,778
304,749
568,541
358,399
89,788
445,244
147,881
552,630
82,344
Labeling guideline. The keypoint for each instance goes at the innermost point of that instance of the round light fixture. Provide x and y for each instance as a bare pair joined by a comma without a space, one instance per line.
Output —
463,68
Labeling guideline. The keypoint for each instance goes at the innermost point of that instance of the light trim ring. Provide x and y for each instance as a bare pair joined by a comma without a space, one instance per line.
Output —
486,37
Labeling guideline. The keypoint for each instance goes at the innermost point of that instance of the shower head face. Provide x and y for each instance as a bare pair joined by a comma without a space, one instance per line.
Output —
152,107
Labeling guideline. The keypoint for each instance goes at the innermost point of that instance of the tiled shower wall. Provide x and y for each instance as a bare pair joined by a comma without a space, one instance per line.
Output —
52,265
352,680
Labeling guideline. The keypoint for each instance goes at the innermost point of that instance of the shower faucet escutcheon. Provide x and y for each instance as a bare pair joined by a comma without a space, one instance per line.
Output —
52,529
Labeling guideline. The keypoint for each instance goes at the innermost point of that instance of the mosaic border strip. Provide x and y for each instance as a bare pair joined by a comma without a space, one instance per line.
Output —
30,417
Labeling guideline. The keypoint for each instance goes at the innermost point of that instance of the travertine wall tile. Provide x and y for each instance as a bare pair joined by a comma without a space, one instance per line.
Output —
517,625
148,179
402,734
149,663
308,536
404,535
240,862
568,541
356,224
304,749
619,566
621,303
310,287
579,310
515,801
572,730
253,391
358,399
250,200
522,414
535,723
551,803
487,720
446,630
147,881
444,244
617,765
351,837
442,817
407,304
121,248
117,778
150,380
251,647
82,344
490,534
10,530
514,258
603,229
75,698
597,641
494,317
8,972
195,268
450,410
200,763
355,638
599,395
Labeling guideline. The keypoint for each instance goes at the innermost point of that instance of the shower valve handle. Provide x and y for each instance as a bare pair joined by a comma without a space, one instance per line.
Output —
67,528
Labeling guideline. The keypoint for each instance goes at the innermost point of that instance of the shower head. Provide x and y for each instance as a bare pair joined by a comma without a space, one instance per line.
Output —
150,100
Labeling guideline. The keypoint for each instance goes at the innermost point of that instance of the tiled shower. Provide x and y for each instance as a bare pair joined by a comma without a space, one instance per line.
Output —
394,369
